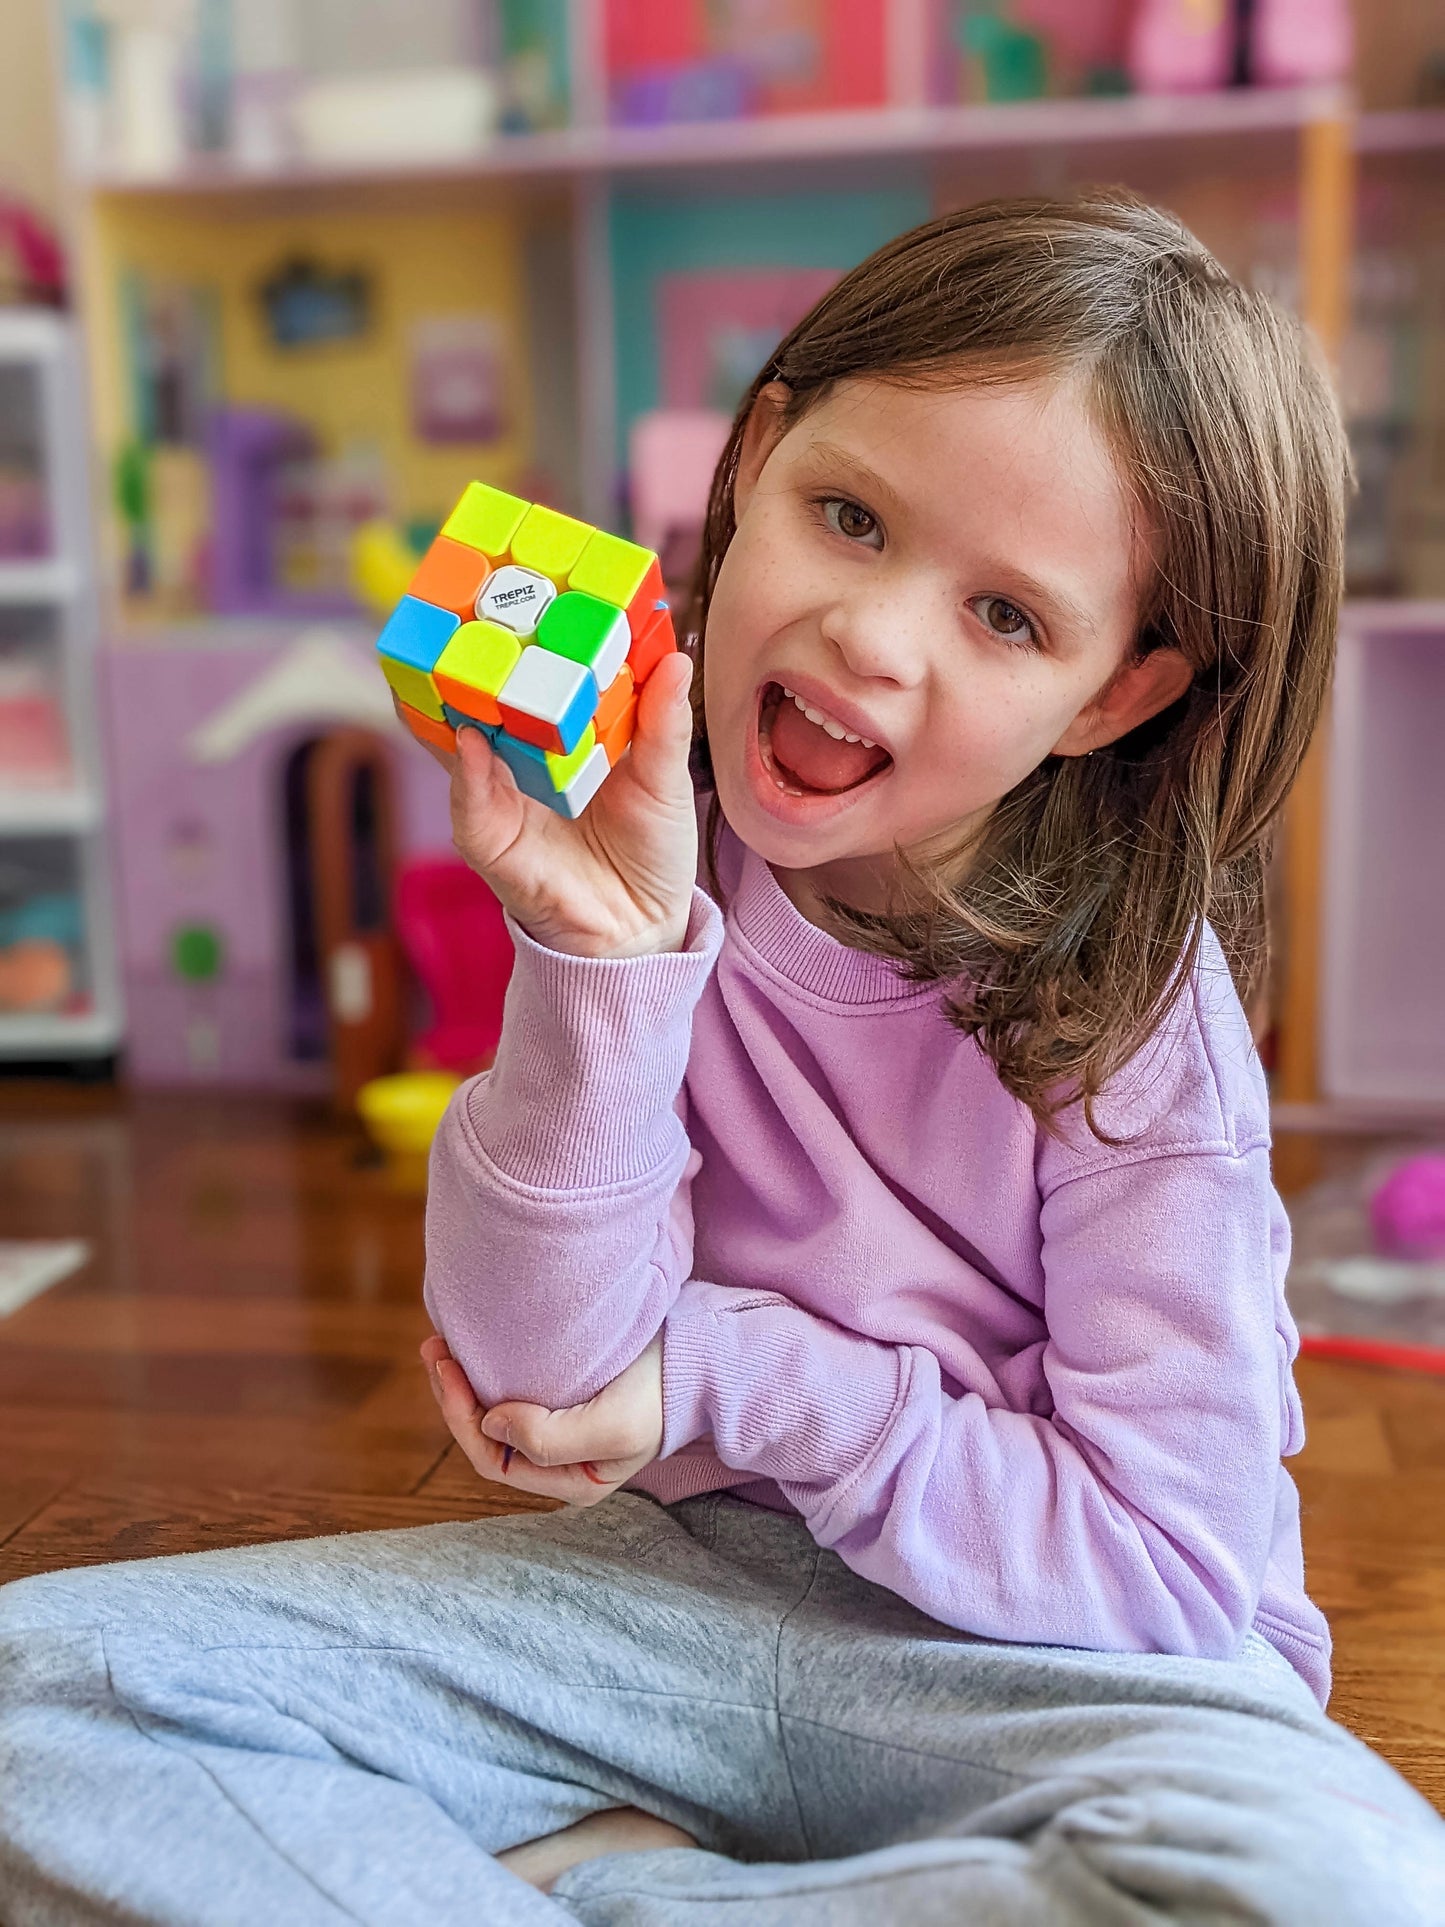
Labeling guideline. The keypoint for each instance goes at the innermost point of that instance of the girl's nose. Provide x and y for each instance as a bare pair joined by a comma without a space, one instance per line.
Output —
879,637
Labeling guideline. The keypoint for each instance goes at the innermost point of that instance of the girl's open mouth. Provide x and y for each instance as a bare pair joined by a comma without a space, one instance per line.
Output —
803,758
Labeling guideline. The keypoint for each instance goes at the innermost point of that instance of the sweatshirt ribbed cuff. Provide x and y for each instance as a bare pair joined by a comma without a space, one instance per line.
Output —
592,1057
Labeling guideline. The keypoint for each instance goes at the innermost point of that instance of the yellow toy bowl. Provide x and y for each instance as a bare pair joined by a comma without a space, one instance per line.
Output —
401,1114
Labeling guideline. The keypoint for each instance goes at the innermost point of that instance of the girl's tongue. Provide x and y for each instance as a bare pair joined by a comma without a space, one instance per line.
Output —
814,759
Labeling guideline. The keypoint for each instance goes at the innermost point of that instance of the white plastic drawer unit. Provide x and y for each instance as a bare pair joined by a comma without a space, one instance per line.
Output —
59,987
1383,968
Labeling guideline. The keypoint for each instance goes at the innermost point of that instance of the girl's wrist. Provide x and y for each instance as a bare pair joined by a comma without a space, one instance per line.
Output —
645,940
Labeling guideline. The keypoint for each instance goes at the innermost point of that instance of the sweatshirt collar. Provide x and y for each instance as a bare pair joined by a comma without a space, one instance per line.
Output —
805,955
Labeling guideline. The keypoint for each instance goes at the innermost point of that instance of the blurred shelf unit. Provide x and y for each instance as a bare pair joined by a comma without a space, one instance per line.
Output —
621,267
59,993
902,130
1383,1031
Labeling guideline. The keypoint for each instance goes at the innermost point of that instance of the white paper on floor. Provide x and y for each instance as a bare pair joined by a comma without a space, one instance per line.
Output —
29,1266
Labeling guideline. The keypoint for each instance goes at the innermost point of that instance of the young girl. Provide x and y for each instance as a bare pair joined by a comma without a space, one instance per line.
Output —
892,1218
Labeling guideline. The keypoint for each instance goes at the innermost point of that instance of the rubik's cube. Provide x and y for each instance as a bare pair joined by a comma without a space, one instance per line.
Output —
538,629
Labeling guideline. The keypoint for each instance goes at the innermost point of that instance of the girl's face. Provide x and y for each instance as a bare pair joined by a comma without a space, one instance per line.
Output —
949,576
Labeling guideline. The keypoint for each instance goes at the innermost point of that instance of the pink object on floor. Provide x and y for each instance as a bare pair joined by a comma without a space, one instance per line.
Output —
1407,1212
452,930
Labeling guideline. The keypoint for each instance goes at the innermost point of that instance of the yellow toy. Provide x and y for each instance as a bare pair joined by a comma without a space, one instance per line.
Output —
401,1114
536,628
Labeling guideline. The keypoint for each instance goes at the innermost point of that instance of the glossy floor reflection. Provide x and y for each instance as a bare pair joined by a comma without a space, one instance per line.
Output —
238,1362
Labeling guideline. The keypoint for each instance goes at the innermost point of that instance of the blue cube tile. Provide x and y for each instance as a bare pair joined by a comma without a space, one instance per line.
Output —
528,765
417,633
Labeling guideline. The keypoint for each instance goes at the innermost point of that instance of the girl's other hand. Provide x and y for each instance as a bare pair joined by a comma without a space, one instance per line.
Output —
579,1454
617,882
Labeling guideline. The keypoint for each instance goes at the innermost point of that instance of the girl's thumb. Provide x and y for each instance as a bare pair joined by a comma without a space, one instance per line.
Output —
662,736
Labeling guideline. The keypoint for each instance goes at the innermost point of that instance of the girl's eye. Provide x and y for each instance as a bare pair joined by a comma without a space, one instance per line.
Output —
1006,620
851,519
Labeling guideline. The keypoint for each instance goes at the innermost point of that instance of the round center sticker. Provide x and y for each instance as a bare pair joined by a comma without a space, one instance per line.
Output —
515,598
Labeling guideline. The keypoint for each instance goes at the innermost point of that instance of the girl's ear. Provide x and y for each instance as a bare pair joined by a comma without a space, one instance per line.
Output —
1132,695
761,436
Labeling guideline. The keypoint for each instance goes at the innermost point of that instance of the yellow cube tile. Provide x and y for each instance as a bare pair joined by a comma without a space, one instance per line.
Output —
414,686
613,569
486,518
562,769
550,542
471,669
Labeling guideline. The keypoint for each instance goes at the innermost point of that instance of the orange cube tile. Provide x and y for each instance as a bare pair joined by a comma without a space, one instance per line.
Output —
426,730
650,644
450,577
621,691
640,609
615,738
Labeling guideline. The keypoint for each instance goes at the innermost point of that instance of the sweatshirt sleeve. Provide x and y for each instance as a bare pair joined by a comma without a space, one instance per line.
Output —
558,1225
1136,1515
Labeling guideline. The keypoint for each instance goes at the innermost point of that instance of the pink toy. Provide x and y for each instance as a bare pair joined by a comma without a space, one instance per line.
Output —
1181,46
672,453
1293,43
1407,1211
451,928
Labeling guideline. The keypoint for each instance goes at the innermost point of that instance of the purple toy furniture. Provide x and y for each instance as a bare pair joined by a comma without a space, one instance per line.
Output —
249,451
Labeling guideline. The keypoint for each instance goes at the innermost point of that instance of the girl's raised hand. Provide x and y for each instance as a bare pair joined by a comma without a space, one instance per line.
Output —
579,1454
617,882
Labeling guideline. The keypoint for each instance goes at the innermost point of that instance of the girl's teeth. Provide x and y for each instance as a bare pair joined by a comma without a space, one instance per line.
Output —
835,730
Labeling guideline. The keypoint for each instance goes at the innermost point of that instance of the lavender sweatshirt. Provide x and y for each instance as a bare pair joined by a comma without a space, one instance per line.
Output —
1040,1388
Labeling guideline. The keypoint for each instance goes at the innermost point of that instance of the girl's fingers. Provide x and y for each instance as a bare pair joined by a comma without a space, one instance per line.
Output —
486,806
567,1437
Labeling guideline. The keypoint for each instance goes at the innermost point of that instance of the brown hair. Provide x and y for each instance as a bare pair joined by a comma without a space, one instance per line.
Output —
1079,915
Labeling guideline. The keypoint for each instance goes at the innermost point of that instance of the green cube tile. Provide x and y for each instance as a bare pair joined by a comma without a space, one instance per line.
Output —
486,518
550,542
588,630
612,568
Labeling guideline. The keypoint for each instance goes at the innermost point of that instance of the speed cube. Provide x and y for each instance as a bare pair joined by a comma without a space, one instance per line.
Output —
538,629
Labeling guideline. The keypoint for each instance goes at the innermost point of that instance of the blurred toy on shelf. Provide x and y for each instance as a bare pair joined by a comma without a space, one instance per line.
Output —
1198,46
32,263
672,455
1182,46
537,629
1003,50
383,562
41,938
24,515
34,752
686,60
153,87
1298,43
284,518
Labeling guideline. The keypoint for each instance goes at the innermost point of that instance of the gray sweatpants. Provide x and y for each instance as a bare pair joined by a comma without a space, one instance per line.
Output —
348,1729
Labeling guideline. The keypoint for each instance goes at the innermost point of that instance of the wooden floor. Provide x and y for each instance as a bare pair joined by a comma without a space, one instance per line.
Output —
238,1362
